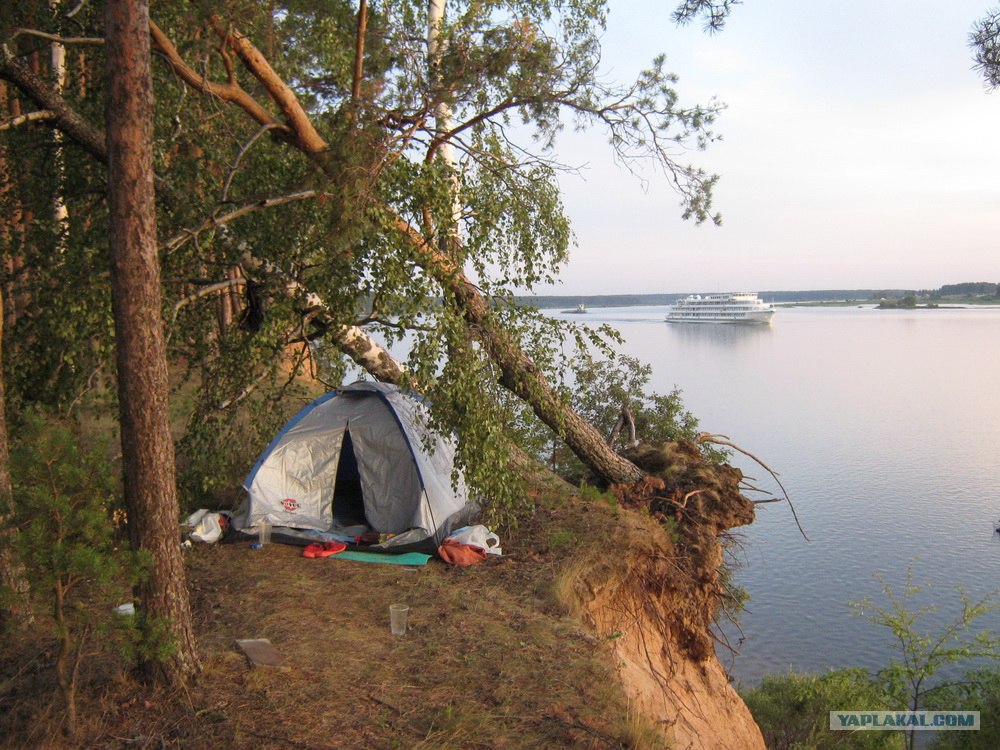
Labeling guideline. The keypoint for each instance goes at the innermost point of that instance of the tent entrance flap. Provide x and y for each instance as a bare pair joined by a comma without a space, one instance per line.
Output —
348,500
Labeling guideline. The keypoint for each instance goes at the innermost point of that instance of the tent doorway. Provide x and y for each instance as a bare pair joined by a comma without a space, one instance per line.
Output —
348,498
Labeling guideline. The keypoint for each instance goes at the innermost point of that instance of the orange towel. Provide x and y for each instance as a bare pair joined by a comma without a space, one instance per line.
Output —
462,555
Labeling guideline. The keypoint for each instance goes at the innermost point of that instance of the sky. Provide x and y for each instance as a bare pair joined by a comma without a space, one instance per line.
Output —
860,149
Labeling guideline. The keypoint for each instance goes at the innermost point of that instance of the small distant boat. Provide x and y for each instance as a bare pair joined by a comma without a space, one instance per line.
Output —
578,310
731,307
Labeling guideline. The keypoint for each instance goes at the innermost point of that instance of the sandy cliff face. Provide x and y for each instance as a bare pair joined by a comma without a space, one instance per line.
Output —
691,700
653,598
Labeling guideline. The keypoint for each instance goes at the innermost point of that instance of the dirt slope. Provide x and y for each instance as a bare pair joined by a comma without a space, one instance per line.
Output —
688,696
557,644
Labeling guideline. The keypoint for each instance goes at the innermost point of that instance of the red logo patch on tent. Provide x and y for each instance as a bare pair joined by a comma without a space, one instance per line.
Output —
290,504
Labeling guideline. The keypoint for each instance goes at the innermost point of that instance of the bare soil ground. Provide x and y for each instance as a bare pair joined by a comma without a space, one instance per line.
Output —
492,659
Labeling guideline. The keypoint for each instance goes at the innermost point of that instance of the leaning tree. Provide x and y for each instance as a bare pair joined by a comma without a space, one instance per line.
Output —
324,173
303,146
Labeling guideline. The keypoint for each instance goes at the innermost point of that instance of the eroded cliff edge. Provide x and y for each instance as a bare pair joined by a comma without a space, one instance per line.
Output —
655,601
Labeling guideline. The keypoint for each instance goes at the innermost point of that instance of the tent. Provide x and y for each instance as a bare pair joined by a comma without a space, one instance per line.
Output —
363,455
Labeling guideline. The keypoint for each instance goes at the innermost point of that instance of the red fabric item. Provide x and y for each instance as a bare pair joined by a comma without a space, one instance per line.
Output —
462,555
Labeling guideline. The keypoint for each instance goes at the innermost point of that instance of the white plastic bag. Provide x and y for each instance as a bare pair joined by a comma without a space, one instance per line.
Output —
209,529
478,536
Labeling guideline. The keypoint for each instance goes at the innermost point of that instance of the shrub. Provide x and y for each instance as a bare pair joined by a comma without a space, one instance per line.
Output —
924,652
978,691
65,498
793,710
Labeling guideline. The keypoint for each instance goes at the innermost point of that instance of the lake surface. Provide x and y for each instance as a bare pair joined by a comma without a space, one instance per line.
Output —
885,429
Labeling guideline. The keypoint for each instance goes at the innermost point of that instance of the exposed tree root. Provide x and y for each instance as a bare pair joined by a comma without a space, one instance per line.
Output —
724,440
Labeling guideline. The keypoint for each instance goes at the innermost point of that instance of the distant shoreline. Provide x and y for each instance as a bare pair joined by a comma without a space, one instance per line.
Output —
818,298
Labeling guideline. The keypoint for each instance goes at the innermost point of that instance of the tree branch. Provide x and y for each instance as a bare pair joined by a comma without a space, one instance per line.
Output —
205,291
227,92
40,115
214,222
239,157
307,137
64,117
97,41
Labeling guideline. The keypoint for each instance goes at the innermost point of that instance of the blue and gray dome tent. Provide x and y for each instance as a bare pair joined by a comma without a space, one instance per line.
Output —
362,455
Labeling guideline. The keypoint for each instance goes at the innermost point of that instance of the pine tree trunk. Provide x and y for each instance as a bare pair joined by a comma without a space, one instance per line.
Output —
147,446
64,672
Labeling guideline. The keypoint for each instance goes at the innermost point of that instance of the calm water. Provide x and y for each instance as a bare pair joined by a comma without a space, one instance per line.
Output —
885,429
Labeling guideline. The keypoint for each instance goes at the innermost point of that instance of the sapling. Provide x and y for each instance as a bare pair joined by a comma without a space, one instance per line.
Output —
65,495
922,654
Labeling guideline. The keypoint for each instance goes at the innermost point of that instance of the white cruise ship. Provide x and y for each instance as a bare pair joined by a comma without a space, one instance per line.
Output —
733,307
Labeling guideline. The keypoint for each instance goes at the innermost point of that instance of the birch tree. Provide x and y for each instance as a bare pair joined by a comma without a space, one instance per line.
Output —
293,99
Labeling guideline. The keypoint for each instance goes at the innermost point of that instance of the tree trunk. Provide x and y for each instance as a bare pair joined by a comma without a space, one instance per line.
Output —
60,213
522,377
519,374
147,446
442,148
359,54
64,673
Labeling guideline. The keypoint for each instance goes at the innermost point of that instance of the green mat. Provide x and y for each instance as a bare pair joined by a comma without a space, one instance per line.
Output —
407,558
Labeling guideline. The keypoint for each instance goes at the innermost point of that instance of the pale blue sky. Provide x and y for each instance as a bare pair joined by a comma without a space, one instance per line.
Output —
861,150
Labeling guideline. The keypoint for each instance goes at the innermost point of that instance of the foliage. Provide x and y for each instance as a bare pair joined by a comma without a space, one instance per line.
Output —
65,499
609,392
715,12
978,690
269,248
908,302
793,710
734,597
218,446
922,654
970,288
593,494
985,43
561,540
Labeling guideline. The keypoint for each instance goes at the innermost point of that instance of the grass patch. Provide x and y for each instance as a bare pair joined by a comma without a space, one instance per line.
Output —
562,539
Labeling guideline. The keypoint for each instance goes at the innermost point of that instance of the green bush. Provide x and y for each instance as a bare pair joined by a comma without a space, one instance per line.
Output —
793,710
65,500
926,650
978,691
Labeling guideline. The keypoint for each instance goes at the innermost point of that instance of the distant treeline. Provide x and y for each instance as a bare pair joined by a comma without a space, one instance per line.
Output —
544,302
969,288
966,289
